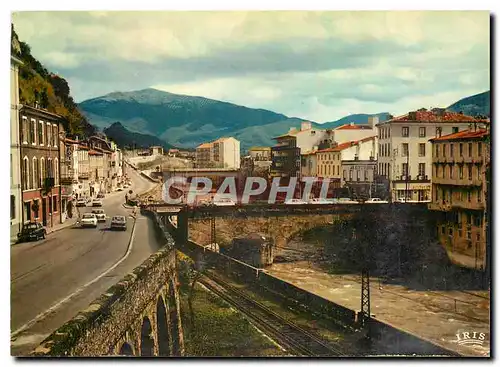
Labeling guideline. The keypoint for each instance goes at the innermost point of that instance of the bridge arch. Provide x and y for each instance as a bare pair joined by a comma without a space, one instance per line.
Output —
173,316
126,350
147,342
162,328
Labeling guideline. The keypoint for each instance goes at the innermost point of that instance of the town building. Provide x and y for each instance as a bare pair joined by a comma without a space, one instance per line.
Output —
41,194
221,153
82,167
308,167
460,162
173,152
68,163
156,150
354,132
260,153
404,149
16,220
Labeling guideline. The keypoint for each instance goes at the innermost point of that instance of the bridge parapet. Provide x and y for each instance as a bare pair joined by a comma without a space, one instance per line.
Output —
138,316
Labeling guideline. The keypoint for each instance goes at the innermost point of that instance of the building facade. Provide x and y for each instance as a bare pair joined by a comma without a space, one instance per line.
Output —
41,194
221,153
405,156
354,132
16,219
156,150
260,153
459,194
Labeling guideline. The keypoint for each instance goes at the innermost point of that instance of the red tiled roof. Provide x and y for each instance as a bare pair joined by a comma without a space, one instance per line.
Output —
463,135
339,147
353,127
429,116
367,139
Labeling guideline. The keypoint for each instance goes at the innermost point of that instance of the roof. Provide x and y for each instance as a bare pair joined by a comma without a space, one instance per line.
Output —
367,139
310,152
204,145
353,127
71,141
260,148
287,135
83,147
94,152
430,116
463,135
339,147
156,146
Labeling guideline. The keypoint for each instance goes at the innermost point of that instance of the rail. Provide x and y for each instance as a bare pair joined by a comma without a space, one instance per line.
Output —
291,336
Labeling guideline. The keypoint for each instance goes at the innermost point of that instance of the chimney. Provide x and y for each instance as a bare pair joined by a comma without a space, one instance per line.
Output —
305,125
372,121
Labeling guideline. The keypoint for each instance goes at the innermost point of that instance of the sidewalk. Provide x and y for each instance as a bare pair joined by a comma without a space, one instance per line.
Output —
67,223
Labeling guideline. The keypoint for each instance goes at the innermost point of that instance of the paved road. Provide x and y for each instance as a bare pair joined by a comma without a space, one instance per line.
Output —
52,280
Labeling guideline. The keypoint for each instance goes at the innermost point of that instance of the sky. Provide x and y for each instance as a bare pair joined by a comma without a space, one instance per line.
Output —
319,66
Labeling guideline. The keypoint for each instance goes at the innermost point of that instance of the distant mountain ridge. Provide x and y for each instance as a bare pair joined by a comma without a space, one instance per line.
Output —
478,104
187,121
125,138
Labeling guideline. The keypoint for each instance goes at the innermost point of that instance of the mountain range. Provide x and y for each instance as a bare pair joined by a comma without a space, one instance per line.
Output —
125,138
187,121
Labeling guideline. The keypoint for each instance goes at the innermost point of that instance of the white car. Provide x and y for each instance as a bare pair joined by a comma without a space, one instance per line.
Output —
347,201
97,202
81,202
89,220
295,202
223,202
100,215
376,201
315,201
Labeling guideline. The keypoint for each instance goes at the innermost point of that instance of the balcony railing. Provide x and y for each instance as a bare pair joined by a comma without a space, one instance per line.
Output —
457,182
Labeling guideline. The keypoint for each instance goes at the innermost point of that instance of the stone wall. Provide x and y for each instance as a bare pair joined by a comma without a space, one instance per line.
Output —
140,315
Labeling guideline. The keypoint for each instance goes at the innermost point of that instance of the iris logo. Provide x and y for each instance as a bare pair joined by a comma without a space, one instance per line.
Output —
470,338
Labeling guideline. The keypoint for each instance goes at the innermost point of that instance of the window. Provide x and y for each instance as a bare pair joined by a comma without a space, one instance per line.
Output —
439,130
452,168
55,135
25,130
421,169
357,175
12,207
36,214
437,150
405,149
443,229
479,149
405,131
366,175
350,175
421,132
421,150
404,169
43,172
461,172
40,133
345,174
389,170
54,204
35,173
454,129
444,150
469,196
451,150
461,149
470,149
25,173
469,171
48,134
56,171
32,131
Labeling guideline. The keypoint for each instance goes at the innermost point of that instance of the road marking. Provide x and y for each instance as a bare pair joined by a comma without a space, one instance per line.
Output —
54,307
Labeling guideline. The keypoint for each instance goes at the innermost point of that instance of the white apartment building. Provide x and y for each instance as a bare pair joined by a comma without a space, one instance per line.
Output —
15,151
405,156
221,153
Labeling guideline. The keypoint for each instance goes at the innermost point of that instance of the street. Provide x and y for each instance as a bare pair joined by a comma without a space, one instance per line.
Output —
53,279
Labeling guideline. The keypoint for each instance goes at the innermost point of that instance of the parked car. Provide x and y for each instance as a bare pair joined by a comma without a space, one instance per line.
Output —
295,202
100,195
223,202
31,231
347,201
119,222
100,215
119,189
81,202
89,220
315,201
376,201
97,202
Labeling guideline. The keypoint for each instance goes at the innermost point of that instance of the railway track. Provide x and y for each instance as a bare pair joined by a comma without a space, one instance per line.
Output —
287,334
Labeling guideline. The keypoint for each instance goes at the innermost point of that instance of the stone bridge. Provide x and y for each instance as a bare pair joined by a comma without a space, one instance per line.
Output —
138,316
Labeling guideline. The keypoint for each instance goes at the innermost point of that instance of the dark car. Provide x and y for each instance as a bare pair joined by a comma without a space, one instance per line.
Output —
31,231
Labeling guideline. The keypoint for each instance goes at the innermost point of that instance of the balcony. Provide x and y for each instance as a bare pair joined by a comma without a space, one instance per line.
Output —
440,206
472,205
67,179
457,182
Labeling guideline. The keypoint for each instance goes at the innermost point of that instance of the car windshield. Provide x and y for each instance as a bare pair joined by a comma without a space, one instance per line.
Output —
32,226
97,211
88,216
119,219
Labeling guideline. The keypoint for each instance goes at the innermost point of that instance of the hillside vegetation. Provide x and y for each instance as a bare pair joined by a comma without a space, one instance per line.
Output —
52,92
